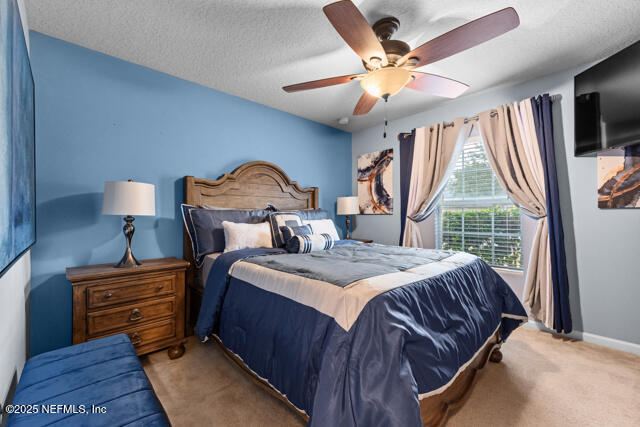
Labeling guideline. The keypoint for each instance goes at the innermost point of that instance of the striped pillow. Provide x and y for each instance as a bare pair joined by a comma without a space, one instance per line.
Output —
321,226
281,219
306,243
299,230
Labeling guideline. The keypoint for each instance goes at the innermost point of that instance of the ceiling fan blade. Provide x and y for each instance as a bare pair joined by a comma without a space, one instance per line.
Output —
436,85
365,104
356,31
464,37
331,81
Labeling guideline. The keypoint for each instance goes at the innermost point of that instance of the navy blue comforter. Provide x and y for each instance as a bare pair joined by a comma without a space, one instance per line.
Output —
406,343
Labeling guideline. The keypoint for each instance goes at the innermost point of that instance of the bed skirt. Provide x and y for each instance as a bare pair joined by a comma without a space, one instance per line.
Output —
433,409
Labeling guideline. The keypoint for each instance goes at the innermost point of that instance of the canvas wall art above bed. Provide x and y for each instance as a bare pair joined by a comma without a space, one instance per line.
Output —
17,139
375,182
619,178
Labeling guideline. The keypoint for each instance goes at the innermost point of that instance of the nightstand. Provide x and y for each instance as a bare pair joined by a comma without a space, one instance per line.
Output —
145,302
362,240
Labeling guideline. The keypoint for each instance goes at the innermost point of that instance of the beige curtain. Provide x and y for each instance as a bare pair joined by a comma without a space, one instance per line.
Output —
434,149
512,148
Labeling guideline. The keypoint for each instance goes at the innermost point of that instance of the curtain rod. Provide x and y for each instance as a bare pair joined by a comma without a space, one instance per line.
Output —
556,97
473,119
446,125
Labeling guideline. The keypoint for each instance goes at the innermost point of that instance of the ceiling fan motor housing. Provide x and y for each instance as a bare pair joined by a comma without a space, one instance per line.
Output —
394,49
385,28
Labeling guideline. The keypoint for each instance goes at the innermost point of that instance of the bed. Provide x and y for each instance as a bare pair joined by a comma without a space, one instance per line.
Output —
387,336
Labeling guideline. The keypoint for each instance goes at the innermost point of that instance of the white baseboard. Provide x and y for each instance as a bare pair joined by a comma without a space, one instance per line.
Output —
629,347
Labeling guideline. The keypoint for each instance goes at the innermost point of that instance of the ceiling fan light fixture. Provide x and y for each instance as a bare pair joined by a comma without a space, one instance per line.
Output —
385,81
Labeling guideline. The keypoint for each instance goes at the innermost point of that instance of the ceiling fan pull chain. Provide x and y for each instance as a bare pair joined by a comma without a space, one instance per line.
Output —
386,99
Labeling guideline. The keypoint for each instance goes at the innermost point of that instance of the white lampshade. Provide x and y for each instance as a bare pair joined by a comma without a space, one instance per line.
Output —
128,198
348,205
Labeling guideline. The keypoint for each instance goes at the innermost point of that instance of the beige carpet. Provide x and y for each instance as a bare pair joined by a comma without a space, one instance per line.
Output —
542,381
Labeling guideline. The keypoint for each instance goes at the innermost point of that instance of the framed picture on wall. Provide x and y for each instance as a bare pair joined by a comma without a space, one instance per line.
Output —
619,178
375,182
17,139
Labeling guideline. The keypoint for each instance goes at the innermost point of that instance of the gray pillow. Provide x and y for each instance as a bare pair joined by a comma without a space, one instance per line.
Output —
311,214
207,233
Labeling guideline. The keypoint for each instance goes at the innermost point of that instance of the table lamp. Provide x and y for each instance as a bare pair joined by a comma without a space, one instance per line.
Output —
348,206
128,198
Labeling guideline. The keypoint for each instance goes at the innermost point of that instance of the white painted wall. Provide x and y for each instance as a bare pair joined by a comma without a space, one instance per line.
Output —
14,315
15,286
602,244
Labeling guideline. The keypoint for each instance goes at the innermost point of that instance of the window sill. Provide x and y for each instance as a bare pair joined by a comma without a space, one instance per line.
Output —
508,271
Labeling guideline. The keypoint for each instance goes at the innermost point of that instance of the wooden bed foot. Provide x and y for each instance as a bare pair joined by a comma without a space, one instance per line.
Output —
176,351
496,356
435,409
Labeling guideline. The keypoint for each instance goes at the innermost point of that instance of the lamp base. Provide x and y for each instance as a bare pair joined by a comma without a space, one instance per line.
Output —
128,260
348,227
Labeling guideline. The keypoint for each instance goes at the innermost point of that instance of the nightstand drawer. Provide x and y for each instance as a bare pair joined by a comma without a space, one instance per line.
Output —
154,332
99,322
130,290
148,334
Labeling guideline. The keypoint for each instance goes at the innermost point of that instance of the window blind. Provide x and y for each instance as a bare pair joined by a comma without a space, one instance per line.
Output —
475,214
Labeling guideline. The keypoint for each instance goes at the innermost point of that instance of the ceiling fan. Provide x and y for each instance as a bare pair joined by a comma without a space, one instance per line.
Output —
390,64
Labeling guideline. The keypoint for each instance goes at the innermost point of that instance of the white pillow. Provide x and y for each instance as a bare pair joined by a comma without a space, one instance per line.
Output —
240,236
323,226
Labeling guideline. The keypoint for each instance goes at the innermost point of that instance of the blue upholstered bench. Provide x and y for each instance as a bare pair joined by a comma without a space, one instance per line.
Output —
105,373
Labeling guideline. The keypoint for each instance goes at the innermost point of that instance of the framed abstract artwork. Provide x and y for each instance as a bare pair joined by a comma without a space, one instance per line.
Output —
17,139
619,178
375,182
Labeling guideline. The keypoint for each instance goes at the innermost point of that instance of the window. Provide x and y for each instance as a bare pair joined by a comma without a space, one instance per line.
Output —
475,214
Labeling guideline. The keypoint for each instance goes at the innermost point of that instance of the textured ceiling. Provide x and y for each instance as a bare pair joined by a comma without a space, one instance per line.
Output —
251,48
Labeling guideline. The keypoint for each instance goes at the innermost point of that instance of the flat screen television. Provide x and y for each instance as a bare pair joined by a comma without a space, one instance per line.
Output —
607,103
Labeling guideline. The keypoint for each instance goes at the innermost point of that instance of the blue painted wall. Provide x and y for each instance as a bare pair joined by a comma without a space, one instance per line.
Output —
99,119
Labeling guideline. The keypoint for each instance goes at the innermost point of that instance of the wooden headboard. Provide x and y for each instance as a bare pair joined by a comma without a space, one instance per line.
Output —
251,186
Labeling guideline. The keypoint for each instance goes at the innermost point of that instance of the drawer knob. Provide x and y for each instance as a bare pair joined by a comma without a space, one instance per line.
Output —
108,295
136,339
135,315
160,287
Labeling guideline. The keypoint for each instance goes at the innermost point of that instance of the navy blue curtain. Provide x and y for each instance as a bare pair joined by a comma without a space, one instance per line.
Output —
407,142
544,130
